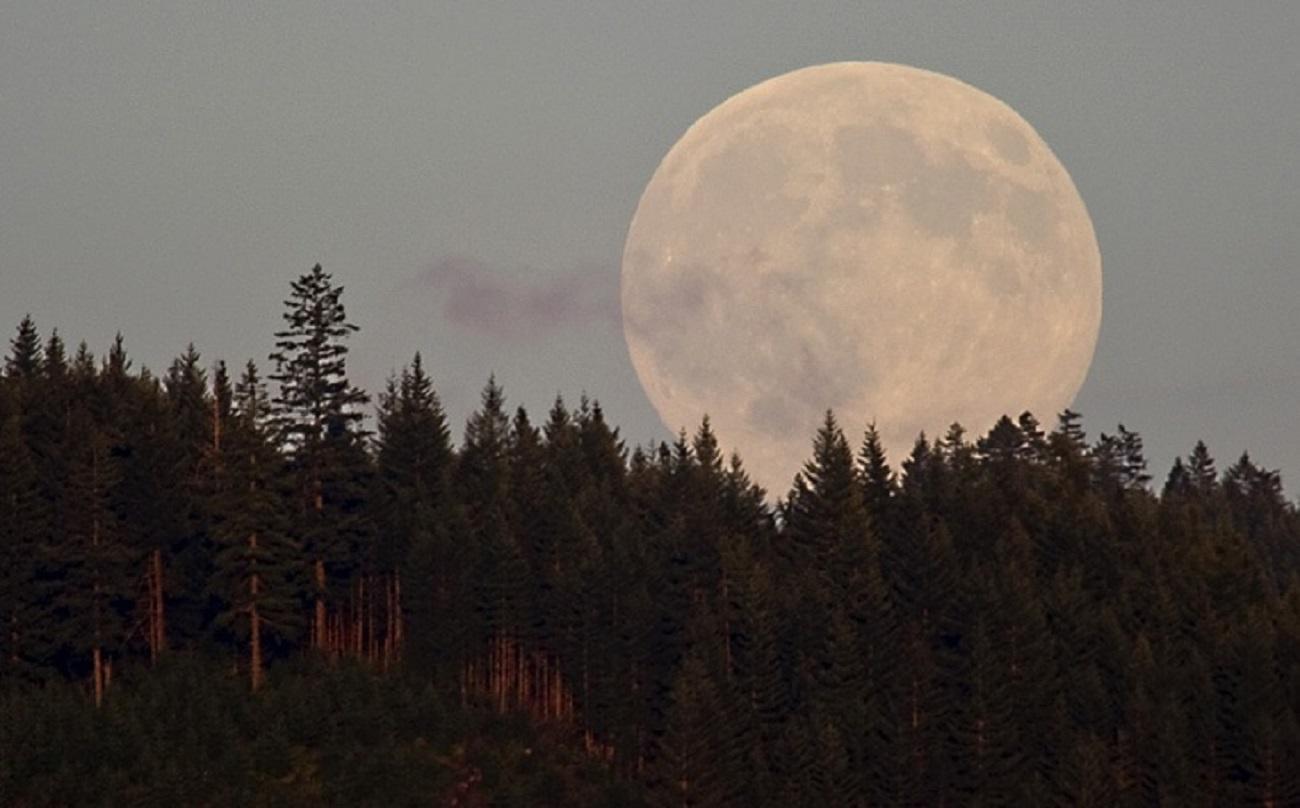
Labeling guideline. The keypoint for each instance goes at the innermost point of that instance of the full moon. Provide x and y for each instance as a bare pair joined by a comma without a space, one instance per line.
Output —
883,241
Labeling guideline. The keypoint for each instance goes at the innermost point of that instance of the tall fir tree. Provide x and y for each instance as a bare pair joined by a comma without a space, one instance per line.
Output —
319,420
257,576
24,532
414,463
25,353
94,595
495,561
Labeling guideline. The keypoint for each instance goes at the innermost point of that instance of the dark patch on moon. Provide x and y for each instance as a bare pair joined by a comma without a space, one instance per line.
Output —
742,185
853,215
941,197
820,380
1009,143
1033,214
671,303
944,197
1004,278
873,157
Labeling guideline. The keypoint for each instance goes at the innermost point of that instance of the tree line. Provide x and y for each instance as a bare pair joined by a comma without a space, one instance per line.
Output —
1019,617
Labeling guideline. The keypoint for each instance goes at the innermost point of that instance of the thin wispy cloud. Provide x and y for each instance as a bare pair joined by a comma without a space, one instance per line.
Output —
491,301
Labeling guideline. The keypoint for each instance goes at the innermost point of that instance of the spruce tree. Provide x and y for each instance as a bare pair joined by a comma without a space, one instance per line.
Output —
95,592
496,565
318,418
256,562
157,505
56,357
827,517
25,355
414,462
24,528
689,768
879,485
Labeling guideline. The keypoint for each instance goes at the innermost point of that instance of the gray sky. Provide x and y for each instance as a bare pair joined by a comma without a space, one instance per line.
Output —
468,172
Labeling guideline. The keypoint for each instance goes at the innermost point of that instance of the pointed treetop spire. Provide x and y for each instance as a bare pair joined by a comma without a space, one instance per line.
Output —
56,357
315,400
24,360
707,453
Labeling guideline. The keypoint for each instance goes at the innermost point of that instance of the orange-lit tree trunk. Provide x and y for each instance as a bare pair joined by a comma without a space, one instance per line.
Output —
371,647
255,623
397,615
97,675
97,652
157,614
98,573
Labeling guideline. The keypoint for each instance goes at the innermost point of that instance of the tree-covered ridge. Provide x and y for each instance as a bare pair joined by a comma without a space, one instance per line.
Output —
1012,618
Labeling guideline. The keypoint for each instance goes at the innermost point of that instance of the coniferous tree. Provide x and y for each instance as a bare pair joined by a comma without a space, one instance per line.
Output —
318,418
414,462
25,354
826,511
688,768
1015,618
256,574
56,358
24,527
496,565
94,563
879,485
155,505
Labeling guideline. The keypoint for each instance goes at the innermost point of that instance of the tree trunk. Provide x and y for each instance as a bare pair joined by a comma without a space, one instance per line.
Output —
397,614
97,654
358,618
97,674
320,638
255,623
255,643
726,632
320,630
372,647
157,606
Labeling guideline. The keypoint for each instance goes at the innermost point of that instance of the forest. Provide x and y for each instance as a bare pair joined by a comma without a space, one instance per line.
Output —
246,586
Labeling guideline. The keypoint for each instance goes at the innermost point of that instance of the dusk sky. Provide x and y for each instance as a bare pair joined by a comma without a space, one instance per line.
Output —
468,172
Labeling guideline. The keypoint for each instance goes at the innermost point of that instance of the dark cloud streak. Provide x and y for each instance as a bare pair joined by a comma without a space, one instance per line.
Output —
497,303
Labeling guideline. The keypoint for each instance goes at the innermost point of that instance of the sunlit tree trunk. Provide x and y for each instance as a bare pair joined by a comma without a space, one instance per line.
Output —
255,622
157,616
397,615
97,653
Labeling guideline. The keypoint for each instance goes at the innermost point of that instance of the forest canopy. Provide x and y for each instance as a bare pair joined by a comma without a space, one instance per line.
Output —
241,570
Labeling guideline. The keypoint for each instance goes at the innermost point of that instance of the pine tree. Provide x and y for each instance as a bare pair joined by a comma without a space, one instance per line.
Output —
56,358
761,676
414,461
497,569
1201,469
24,526
528,490
157,506
95,591
689,770
826,515
255,561
879,485
25,355
318,418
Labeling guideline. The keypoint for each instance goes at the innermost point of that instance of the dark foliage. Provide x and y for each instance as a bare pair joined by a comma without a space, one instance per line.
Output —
542,616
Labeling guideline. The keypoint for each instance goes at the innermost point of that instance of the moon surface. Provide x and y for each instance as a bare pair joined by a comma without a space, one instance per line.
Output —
876,239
